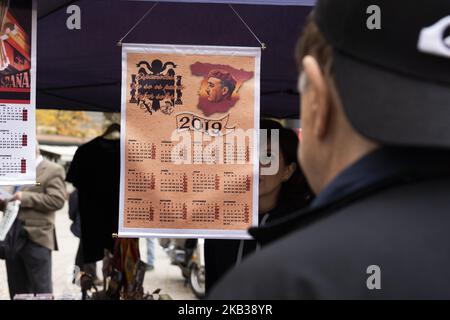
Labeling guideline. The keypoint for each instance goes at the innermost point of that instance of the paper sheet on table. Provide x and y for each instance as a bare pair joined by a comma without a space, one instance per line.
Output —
9,216
4,195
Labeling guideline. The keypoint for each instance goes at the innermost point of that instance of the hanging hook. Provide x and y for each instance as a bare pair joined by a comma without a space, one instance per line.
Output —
263,45
119,43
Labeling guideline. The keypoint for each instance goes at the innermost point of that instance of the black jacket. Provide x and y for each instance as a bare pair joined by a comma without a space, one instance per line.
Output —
95,172
400,223
74,214
222,255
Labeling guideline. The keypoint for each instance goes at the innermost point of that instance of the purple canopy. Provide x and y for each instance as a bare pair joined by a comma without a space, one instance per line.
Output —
81,69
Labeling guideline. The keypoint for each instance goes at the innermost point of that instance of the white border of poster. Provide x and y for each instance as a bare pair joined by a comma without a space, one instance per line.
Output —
30,127
201,50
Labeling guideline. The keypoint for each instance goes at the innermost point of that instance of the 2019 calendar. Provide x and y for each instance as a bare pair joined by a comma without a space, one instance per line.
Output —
189,144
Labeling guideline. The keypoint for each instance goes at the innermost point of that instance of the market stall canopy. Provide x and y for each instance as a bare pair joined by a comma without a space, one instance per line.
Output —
81,69
265,2
47,7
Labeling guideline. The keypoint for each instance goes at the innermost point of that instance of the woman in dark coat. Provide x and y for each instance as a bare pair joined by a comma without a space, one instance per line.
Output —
279,194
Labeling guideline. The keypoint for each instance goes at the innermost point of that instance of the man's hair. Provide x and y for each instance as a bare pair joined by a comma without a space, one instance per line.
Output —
226,78
314,43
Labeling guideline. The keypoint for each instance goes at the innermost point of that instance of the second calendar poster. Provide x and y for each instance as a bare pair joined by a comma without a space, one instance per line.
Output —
189,141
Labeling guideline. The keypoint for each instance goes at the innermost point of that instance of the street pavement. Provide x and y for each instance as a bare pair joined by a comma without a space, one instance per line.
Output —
165,276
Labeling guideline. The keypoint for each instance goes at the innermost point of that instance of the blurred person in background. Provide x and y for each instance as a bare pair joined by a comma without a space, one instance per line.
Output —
29,257
279,195
75,228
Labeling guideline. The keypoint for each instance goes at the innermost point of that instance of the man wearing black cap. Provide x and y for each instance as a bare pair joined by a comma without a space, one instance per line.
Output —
376,150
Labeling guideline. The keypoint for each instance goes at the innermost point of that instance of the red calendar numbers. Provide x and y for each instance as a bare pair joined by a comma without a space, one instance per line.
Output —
246,214
211,154
184,211
228,153
151,214
139,211
241,154
12,140
173,181
23,166
171,211
11,165
235,213
216,212
236,183
236,154
140,151
197,152
140,181
204,212
205,153
153,151
248,183
202,182
172,153
217,182
152,182
12,113
185,183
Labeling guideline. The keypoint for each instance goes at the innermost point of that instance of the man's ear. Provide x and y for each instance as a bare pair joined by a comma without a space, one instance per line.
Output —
318,90
225,90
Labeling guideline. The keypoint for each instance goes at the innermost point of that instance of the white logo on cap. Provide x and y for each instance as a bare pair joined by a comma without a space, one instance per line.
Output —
431,39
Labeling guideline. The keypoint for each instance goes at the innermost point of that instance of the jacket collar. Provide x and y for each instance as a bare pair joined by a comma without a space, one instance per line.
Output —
380,170
40,169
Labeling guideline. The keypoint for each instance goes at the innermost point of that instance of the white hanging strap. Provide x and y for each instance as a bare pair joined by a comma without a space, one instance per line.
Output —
263,45
263,222
119,43
240,252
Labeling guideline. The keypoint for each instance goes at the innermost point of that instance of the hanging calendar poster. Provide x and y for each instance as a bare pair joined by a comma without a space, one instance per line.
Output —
17,92
189,151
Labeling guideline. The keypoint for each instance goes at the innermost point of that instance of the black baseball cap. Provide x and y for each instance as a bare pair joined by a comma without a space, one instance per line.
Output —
392,67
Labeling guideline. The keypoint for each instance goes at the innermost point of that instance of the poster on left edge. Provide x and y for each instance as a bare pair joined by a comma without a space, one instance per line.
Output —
18,22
